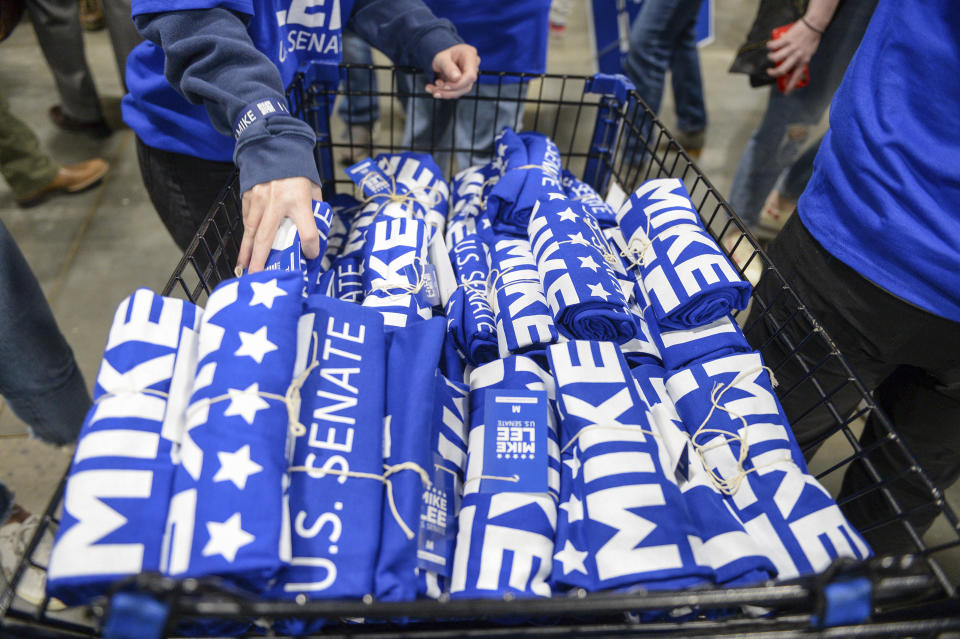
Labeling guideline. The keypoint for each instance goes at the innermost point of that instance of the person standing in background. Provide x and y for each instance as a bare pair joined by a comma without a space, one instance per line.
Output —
874,253
663,36
509,37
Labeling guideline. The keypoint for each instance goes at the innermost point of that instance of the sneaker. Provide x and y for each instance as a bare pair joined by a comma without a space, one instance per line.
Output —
14,539
692,142
91,15
359,137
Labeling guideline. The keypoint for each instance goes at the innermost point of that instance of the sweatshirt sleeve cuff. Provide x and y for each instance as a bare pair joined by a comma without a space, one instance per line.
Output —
443,36
274,149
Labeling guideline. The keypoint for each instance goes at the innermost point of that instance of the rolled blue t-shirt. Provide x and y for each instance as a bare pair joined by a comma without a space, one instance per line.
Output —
884,192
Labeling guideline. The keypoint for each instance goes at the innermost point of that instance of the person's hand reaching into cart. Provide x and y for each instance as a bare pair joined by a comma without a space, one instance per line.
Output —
264,207
455,71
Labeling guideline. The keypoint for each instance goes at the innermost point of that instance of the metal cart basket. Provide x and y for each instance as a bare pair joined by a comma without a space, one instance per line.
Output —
608,137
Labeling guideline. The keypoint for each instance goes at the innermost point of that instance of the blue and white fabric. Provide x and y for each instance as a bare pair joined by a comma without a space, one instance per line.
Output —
394,267
581,287
286,253
413,353
721,541
731,413
680,348
590,199
505,539
335,496
469,190
343,280
441,501
470,319
531,164
623,522
422,180
688,278
227,516
115,505
524,321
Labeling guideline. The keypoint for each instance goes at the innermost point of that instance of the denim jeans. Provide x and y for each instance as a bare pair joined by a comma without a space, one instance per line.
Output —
39,378
466,126
663,36
783,131
358,109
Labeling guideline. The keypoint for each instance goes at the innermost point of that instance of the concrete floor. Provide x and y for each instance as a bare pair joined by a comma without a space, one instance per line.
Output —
92,249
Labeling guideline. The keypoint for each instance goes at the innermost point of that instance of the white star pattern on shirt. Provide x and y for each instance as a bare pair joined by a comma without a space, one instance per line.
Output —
255,345
226,538
589,262
578,239
265,292
574,508
245,403
237,467
597,290
574,463
571,558
568,215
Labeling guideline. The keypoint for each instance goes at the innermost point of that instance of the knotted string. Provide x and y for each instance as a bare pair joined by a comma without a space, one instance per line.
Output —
730,485
619,427
435,195
412,288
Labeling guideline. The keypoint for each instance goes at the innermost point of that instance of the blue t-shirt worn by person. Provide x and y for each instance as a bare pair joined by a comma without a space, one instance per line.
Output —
209,81
509,36
884,195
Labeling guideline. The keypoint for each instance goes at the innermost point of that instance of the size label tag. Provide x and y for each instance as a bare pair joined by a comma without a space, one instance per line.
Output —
370,178
429,291
438,516
515,441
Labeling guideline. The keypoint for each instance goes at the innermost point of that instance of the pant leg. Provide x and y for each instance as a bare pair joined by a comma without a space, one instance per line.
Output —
23,165
429,124
909,357
182,188
772,147
925,411
479,121
6,503
359,109
687,83
794,181
57,23
124,36
39,377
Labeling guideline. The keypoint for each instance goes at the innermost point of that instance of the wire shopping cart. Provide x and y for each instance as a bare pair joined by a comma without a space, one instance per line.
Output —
614,142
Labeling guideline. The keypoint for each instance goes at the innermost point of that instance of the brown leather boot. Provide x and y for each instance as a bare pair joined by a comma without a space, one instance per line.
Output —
71,178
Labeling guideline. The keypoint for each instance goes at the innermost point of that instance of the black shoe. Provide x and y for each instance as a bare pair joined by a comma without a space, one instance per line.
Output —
97,129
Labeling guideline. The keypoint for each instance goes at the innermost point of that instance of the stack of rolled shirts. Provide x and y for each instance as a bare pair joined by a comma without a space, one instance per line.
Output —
508,516
403,185
227,515
590,199
531,173
470,319
721,542
335,492
738,429
581,287
344,208
115,508
343,281
524,321
413,353
688,278
395,271
623,522
441,500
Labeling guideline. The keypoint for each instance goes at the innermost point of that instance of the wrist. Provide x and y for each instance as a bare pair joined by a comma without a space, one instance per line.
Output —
812,25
